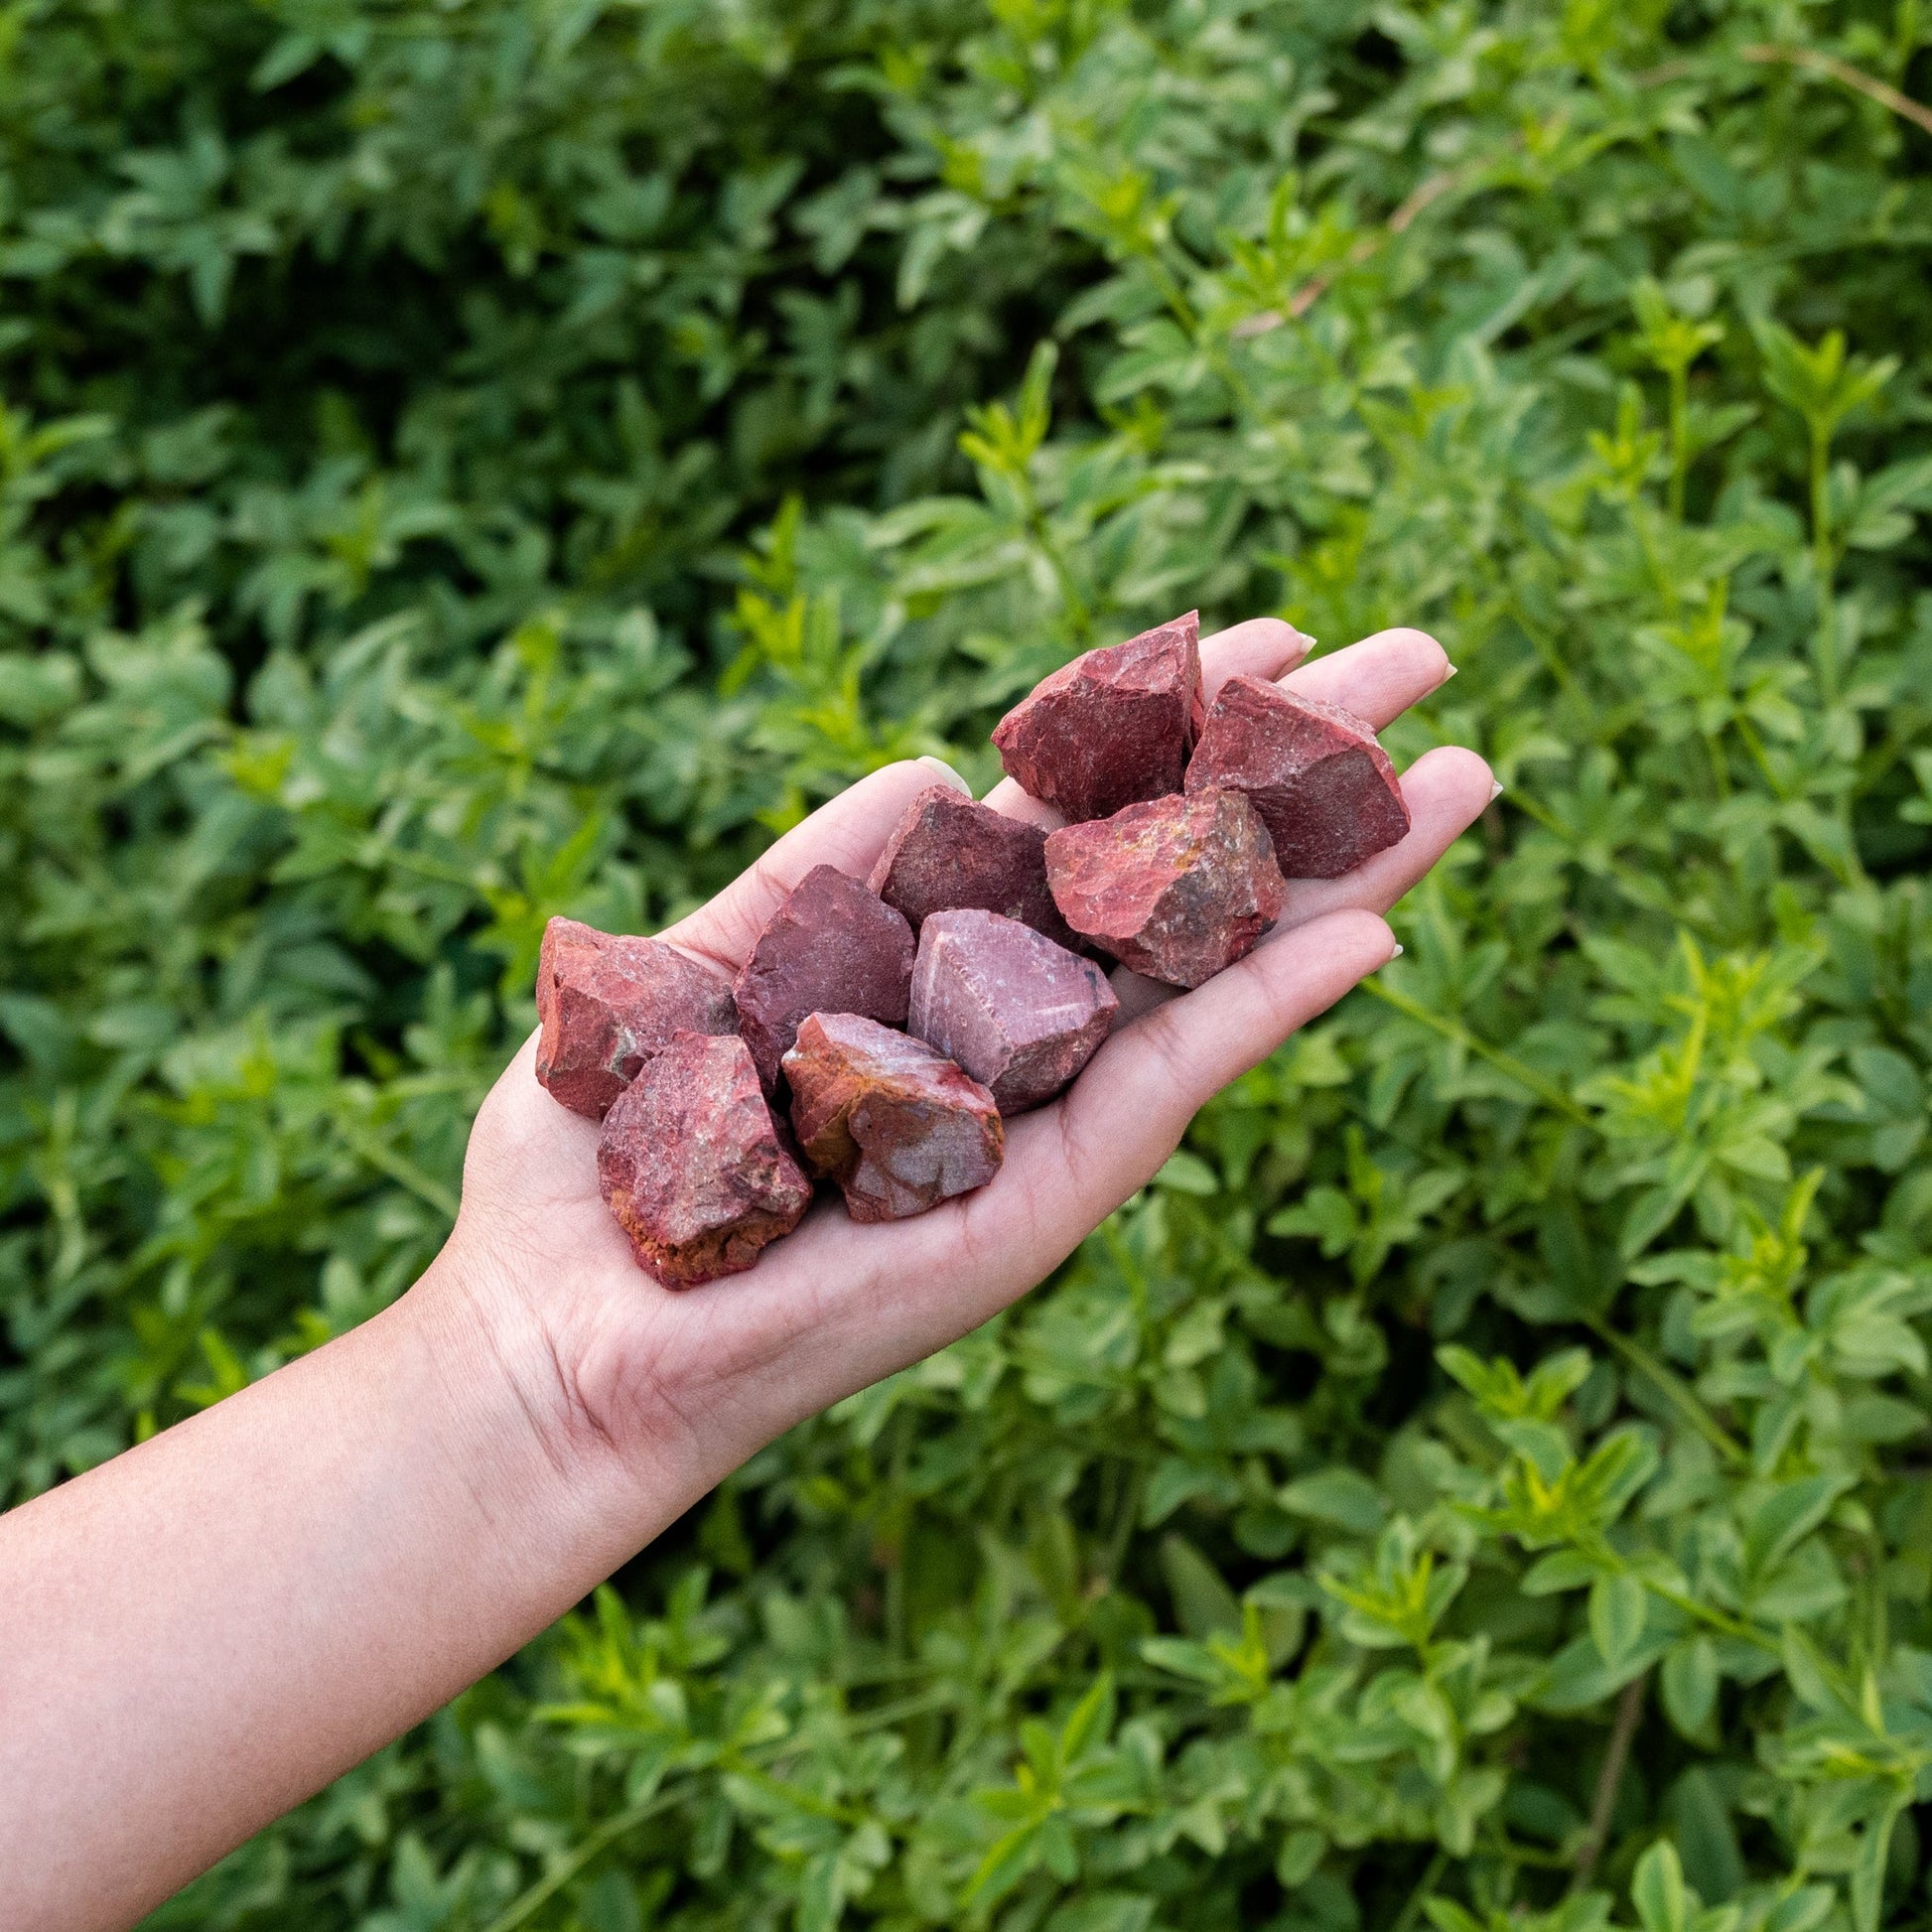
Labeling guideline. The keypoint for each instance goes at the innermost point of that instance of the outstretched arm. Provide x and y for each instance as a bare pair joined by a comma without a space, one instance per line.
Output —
200,1633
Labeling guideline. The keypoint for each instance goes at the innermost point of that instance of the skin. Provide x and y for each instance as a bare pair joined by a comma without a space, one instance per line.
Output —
201,1632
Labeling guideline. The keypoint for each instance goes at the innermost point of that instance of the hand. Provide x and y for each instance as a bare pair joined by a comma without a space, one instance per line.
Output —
204,1631
686,1384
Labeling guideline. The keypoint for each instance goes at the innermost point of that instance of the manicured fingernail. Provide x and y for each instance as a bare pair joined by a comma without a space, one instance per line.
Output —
951,776
1496,790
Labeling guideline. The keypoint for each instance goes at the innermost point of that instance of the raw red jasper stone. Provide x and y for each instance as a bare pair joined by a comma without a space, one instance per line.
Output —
1323,787
897,1126
609,1002
1112,727
1015,1010
1177,889
948,851
833,946
694,1164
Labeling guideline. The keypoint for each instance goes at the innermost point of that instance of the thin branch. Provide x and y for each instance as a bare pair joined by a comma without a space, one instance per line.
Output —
1432,190
1842,72
1419,1897
1526,1077
526,1903
1602,1807
1675,1390
1318,285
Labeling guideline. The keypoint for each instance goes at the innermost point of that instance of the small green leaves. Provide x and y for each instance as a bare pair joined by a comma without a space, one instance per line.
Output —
463,462
1821,383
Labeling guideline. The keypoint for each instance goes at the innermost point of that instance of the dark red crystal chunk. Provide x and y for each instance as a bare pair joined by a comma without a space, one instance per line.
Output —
833,946
1175,888
1323,787
694,1164
609,1002
1111,728
896,1124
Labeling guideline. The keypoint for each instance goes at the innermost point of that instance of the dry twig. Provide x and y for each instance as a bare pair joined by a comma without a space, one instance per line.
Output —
1436,185
1602,1807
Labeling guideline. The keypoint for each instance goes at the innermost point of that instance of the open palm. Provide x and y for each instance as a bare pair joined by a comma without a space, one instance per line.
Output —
706,1375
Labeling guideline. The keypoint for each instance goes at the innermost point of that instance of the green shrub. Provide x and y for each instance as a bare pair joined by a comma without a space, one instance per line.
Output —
467,462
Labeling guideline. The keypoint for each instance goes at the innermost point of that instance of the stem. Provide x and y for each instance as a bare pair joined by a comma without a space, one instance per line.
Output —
1630,1710
1845,72
1544,647
1715,751
399,1168
1681,1397
1680,438
896,1570
1822,565
547,1887
1426,1883
1729,1626
1546,1091
1122,1533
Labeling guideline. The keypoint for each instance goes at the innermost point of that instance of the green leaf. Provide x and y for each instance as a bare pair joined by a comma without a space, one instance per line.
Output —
1658,1892
1689,1681
1341,1496
1618,1606
1203,1604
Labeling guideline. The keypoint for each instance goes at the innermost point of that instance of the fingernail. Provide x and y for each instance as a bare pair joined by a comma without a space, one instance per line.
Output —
951,776
1447,674
1397,954
1496,790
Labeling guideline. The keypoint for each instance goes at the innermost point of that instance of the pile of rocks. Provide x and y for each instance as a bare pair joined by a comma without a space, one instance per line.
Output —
898,1023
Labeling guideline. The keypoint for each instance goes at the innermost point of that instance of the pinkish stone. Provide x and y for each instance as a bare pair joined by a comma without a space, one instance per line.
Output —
1323,787
897,1126
1015,1010
832,947
695,1165
1112,727
1175,888
948,851
609,1002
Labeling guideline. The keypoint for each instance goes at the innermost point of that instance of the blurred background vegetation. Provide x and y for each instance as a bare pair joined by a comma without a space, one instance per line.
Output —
468,460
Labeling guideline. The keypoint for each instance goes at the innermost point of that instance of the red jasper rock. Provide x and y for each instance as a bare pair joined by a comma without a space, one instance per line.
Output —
695,1165
832,947
609,1004
1177,888
1112,727
897,1126
1323,787
948,851
1017,1012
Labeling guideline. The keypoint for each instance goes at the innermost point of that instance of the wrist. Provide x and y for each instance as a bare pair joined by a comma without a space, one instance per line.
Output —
538,1425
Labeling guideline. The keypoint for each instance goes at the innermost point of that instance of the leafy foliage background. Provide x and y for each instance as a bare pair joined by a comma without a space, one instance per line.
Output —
466,460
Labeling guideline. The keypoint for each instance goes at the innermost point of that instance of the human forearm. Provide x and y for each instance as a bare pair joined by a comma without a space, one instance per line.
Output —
201,1633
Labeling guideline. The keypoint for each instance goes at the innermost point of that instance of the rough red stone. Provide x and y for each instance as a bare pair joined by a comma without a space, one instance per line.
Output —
1014,1010
1323,787
897,1126
1112,727
609,1002
695,1165
948,851
833,946
1177,889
